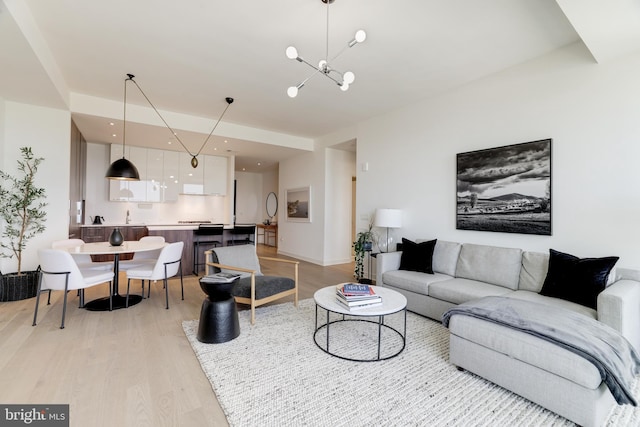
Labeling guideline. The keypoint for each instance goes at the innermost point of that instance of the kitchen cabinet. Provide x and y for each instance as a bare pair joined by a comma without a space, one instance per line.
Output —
171,176
164,175
191,179
215,175
155,175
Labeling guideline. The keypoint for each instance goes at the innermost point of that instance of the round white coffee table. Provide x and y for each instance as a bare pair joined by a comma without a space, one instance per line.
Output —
392,302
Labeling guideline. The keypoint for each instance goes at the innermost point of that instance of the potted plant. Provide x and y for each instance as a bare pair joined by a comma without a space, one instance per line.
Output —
22,212
362,245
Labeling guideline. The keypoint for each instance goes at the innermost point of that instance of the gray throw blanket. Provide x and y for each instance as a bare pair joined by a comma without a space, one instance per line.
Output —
613,356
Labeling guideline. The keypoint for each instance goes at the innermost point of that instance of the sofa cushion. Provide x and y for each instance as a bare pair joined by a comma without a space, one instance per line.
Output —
417,256
412,280
533,271
579,280
491,264
457,290
556,302
527,348
445,257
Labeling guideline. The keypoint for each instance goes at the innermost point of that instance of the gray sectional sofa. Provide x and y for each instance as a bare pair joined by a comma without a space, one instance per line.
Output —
538,370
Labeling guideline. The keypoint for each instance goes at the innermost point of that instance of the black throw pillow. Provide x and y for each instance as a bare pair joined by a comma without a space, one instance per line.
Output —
417,256
578,280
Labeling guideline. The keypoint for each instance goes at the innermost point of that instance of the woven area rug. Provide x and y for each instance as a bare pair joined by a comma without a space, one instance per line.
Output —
273,374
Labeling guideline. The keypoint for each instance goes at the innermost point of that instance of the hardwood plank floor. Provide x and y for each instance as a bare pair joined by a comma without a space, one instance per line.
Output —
130,367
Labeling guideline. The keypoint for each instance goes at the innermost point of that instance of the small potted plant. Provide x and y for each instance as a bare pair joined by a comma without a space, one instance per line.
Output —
22,212
362,245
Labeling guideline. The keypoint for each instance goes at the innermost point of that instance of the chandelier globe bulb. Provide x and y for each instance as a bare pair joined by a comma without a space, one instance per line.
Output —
361,36
292,52
292,92
349,77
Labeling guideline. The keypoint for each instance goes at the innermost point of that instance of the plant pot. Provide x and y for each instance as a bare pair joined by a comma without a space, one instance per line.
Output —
14,287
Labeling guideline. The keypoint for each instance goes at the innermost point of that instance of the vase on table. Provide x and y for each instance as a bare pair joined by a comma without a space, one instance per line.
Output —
116,239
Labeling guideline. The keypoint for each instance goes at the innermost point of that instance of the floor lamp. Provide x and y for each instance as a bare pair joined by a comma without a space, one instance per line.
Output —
389,218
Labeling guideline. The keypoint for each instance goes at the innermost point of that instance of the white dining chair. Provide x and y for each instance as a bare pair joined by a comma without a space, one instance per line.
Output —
168,264
144,257
59,272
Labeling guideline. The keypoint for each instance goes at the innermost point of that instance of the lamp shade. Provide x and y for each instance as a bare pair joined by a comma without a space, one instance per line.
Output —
390,218
124,170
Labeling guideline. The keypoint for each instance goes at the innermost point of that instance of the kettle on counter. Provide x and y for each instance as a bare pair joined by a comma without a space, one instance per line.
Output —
97,220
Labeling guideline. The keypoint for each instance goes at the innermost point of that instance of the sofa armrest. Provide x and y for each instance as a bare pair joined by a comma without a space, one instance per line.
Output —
386,261
619,307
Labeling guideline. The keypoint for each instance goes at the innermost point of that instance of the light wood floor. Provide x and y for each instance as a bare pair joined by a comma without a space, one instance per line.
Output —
129,367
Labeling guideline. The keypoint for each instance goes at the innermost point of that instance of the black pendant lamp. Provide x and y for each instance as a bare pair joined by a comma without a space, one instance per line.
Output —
123,169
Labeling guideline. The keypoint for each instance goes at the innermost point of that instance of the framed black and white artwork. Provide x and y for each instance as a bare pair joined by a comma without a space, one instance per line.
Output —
505,189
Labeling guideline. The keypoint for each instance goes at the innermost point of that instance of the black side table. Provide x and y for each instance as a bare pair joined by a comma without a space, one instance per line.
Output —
219,316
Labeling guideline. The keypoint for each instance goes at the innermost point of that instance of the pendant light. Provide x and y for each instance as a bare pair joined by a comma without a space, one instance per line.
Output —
123,169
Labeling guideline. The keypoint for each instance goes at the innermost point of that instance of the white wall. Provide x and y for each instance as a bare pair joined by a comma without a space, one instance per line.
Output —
592,112
303,240
249,206
340,170
47,131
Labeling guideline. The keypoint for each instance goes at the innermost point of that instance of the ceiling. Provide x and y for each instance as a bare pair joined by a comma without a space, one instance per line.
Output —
188,56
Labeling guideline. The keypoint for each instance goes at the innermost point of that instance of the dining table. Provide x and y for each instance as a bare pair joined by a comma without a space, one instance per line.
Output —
105,248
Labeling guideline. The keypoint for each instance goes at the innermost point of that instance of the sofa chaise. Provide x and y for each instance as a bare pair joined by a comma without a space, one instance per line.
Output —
542,372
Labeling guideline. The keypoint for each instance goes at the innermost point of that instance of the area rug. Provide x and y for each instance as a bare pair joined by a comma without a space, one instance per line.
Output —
273,374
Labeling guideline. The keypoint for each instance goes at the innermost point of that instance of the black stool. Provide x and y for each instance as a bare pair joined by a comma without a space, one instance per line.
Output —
202,236
241,234
219,316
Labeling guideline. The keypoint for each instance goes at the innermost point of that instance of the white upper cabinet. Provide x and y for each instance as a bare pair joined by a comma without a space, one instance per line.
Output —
164,175
171,176
215,175
155,175
191,179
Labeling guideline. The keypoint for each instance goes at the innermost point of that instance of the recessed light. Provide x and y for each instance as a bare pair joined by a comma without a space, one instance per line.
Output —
114,135
259,164
226,142
111,123
169,142
243,169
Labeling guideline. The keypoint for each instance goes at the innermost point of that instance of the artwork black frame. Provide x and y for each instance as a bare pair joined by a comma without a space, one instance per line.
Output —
505,189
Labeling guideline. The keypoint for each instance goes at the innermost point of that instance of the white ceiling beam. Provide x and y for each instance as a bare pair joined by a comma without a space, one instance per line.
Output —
609,28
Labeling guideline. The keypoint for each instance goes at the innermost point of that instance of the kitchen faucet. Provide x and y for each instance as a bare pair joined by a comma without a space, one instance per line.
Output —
128,220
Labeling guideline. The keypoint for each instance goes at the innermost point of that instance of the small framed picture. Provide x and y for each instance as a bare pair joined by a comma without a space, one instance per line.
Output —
299,204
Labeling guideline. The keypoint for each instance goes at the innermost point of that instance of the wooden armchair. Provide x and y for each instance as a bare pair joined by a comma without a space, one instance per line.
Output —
253,288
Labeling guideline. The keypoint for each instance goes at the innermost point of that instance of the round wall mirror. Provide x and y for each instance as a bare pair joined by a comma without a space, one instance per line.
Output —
272,204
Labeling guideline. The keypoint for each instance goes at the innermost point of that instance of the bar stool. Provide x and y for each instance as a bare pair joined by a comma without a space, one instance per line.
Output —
241,234
203,236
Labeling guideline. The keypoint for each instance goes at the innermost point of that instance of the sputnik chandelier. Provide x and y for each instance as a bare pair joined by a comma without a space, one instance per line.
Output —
194,157
324,67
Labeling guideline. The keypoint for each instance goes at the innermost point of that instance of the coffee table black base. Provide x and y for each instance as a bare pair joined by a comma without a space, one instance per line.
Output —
379,323
119,301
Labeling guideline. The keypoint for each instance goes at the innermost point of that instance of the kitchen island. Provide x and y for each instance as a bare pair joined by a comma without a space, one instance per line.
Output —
172,232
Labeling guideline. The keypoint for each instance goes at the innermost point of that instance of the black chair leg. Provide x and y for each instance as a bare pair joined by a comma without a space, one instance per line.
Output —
166,290
64,305
35,313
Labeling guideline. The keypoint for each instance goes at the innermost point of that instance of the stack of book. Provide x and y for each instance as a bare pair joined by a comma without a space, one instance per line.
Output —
355,296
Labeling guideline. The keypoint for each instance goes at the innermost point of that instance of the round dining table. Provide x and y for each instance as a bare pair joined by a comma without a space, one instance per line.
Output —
105,248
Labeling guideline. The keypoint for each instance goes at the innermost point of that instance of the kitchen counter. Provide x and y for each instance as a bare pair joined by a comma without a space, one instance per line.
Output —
153,227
